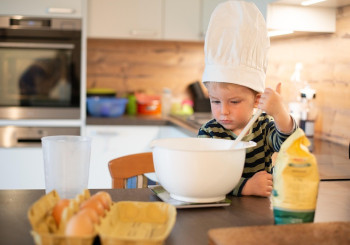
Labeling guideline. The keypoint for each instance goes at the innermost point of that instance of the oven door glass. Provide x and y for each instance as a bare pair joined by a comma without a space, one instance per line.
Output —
36,74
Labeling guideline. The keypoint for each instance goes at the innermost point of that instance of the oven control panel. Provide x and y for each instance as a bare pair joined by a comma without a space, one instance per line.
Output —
14,136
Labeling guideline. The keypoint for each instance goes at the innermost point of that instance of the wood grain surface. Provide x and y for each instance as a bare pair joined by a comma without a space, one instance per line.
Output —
141,65
329,233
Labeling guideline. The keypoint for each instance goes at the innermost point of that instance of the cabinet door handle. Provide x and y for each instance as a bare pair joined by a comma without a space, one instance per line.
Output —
141,33
30,140
61,10
105,133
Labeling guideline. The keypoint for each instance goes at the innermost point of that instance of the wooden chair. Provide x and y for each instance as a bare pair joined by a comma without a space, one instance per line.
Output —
125,167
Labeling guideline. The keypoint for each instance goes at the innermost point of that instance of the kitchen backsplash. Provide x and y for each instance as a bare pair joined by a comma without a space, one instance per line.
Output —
139,65
134,65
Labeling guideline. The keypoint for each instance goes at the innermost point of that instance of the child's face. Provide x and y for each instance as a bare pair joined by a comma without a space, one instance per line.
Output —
232,105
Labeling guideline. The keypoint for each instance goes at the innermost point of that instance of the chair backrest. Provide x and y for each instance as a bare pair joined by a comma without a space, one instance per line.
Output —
128,166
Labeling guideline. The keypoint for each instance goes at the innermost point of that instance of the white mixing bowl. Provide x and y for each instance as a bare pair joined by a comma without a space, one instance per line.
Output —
198,170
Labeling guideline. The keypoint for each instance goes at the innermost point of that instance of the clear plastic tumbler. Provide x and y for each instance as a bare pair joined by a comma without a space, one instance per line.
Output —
66,164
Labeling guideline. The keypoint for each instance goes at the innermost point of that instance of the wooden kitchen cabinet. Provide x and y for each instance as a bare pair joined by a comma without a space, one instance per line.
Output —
130,19
109,142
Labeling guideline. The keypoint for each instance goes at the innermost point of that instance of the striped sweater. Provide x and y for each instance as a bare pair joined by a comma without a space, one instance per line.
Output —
258,158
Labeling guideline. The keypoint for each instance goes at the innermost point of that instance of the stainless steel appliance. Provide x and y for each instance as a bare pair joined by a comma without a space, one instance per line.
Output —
40,68
15,136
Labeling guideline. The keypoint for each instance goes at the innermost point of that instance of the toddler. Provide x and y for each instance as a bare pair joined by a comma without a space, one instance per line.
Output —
236,47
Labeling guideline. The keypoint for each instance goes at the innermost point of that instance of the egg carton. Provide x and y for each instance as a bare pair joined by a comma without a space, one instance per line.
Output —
126,222
137,223
44,228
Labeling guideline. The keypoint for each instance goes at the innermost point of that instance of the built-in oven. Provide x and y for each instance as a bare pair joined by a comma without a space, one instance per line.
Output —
40,68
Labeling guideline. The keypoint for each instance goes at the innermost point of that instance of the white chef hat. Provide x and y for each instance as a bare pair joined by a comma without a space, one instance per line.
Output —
236,45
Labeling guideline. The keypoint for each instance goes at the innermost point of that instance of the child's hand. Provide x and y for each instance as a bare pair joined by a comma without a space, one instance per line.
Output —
272,103
258,185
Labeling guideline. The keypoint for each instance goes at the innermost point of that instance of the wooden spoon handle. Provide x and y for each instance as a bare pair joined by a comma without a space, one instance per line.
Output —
246,128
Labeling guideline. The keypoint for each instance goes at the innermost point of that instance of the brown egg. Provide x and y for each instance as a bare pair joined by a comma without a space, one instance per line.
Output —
104,198
91,213
58,209
79,225
95,205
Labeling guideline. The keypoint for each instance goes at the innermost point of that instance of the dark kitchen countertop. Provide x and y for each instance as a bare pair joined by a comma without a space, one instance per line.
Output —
179,122
192,123
333,159
127,120
192,224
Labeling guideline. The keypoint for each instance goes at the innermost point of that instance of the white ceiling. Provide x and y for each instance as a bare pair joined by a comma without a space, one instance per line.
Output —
328,3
